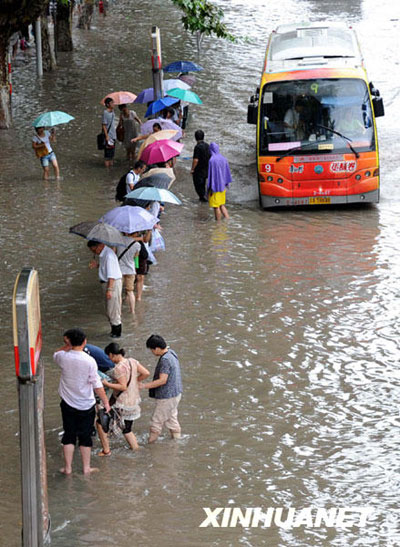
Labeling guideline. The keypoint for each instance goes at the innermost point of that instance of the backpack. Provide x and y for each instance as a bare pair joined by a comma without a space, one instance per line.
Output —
120,191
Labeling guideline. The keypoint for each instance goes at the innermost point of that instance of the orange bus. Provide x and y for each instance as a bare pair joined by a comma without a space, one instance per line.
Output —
315,114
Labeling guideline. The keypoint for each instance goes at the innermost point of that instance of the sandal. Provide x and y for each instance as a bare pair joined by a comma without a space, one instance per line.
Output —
103,454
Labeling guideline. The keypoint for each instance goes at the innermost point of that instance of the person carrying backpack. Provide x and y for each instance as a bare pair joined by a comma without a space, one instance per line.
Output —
127,182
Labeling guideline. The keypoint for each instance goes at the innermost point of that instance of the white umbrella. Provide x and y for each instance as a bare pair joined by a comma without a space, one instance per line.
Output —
174,82
130,219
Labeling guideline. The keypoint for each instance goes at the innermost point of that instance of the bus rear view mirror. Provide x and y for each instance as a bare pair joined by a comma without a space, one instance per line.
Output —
252,111
379,109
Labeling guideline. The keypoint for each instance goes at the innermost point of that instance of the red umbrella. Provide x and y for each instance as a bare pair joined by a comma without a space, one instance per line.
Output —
120,97
161,151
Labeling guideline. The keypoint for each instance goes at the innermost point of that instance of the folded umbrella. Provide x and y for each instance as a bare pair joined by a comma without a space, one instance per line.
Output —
120,97
147,127
161,151
185,95
129,219
159,105
154,194
182,66
56,117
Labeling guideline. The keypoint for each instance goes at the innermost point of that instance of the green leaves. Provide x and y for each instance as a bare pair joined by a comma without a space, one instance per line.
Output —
204,18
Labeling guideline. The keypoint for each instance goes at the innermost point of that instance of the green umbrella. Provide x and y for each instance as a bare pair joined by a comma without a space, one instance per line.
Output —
48,119
185,95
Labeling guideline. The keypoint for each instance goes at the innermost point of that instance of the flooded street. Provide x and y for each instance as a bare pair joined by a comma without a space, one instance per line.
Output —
286,323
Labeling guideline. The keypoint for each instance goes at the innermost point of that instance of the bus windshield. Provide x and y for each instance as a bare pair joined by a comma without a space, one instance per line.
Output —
316,116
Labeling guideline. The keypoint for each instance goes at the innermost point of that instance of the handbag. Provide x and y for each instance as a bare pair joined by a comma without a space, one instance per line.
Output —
120,133
41,150
101,141
101,138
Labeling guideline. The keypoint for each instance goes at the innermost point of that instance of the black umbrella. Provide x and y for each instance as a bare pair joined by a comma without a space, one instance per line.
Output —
83,228
159,180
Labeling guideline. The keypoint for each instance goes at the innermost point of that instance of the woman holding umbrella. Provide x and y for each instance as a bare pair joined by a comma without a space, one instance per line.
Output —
42,147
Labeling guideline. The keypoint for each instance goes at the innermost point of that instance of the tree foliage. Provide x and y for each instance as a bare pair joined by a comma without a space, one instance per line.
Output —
203,18
14,14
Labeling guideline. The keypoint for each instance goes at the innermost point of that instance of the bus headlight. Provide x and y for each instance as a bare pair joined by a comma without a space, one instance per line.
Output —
368,173
358,177
270,179
280,180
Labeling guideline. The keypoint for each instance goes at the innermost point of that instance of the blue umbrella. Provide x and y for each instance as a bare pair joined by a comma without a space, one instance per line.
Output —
154,194
48,119
182,66
160,105
145,96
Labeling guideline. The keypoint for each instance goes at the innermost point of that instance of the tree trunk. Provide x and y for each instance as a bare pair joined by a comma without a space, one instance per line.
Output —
63,27
5,96
14,14
48,59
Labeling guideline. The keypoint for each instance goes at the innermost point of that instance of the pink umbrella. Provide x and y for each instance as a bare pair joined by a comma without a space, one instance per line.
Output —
187,78
161,151
120,97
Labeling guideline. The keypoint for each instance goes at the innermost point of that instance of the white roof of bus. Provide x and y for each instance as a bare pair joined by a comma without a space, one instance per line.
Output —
309,45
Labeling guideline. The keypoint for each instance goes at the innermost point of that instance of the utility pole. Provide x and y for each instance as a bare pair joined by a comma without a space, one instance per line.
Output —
38,38
156,62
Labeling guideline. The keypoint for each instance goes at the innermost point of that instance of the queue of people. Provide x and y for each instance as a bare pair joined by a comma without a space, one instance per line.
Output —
85,377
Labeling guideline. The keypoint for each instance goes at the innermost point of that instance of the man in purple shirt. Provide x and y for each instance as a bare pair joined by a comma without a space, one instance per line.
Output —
78,383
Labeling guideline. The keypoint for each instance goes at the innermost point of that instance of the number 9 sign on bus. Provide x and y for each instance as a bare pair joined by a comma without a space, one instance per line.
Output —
27,329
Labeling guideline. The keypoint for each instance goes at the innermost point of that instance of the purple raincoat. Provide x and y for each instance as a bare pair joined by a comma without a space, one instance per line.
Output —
219,174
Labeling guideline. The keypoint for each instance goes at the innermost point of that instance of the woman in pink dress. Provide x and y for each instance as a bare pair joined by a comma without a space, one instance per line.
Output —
127,373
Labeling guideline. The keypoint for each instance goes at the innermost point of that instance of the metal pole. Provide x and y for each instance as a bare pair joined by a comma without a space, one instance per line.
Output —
156,62
38,36
27,347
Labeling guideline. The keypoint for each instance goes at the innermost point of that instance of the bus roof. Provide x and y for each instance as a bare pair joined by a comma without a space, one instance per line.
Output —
312,45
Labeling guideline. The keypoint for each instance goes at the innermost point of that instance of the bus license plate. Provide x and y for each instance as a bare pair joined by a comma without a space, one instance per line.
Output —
319,201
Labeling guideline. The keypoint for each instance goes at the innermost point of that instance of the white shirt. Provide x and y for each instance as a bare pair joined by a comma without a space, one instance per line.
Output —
78,378
108,265
131,179
127,262
45,140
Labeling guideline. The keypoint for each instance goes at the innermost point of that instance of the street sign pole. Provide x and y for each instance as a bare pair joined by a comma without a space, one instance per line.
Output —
30,378
156,62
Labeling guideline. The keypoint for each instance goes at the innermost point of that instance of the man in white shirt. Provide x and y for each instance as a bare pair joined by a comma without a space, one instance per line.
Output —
133,177
79,380
126,258
111,279
293,123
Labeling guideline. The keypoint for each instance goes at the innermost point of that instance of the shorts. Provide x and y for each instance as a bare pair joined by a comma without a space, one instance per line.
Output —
216,199
109,152
129,281
47,159
77,424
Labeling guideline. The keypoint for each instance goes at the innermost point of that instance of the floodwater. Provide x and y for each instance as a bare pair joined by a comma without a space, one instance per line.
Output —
286,323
